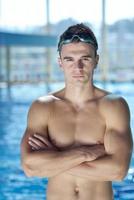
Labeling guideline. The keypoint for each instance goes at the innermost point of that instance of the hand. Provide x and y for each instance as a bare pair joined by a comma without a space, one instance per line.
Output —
39,142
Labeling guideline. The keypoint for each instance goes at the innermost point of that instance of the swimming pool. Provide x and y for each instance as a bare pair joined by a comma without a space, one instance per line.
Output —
14,104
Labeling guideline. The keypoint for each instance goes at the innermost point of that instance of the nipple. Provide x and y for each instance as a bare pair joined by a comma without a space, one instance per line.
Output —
99,142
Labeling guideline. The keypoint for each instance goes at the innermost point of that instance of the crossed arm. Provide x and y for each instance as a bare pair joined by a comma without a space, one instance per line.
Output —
86,161
106,162
114,165
44,160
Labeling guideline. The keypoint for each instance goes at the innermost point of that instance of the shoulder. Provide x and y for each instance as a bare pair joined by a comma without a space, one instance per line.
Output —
115,102
41,102
44,104
111,100
111,103
39,112
115,110
40,107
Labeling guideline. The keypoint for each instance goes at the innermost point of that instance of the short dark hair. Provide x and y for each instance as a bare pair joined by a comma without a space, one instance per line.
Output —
75,32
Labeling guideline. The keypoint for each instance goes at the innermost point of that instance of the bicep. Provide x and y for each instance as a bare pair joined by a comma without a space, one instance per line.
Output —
36,123
118,138
118,131
118,143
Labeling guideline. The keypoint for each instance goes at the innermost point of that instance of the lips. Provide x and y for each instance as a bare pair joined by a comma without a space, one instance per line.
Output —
78,75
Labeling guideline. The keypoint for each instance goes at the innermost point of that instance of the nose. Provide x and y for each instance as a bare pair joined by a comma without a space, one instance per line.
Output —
79,64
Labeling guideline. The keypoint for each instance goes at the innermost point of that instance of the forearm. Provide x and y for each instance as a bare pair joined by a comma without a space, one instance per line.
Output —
111,167
50,163
102,169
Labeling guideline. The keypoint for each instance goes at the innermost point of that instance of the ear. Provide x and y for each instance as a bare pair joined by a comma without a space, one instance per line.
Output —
60,62
96,60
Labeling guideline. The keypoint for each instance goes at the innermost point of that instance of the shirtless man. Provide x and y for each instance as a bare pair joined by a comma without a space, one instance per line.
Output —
78,137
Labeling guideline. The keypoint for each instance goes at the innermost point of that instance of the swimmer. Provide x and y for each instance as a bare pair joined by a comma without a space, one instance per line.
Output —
79,137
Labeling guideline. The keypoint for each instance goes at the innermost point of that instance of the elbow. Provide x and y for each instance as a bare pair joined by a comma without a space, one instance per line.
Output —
120,177
121,174
27,170
30,171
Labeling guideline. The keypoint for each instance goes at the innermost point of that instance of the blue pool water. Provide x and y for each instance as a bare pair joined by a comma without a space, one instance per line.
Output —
14,104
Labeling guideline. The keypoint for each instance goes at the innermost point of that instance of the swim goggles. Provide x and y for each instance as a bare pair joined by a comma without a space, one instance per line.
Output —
78,37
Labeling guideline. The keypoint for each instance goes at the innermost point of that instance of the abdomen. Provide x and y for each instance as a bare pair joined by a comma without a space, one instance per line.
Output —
68,187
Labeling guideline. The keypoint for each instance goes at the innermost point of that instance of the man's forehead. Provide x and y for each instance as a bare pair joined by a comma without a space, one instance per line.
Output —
77,48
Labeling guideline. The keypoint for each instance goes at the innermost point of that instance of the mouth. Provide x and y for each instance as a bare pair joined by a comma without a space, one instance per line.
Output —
78,76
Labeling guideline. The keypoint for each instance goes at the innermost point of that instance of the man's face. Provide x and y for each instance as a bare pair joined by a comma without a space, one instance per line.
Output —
78,61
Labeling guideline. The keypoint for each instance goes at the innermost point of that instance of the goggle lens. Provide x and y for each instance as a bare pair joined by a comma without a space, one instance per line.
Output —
81,37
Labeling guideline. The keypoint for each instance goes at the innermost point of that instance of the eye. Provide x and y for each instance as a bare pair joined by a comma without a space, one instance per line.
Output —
68,59
87,59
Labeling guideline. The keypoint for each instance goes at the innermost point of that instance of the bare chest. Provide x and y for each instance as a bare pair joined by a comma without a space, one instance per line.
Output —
69,127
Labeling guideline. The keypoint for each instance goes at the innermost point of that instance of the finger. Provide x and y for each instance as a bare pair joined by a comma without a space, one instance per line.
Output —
37,142
36,147
33,145
43,139
33,149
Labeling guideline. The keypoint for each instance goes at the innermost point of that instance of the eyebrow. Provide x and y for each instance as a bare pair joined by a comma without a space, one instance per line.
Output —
67,57
87,56
84,56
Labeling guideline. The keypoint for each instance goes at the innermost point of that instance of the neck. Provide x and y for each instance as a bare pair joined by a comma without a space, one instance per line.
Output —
79,93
